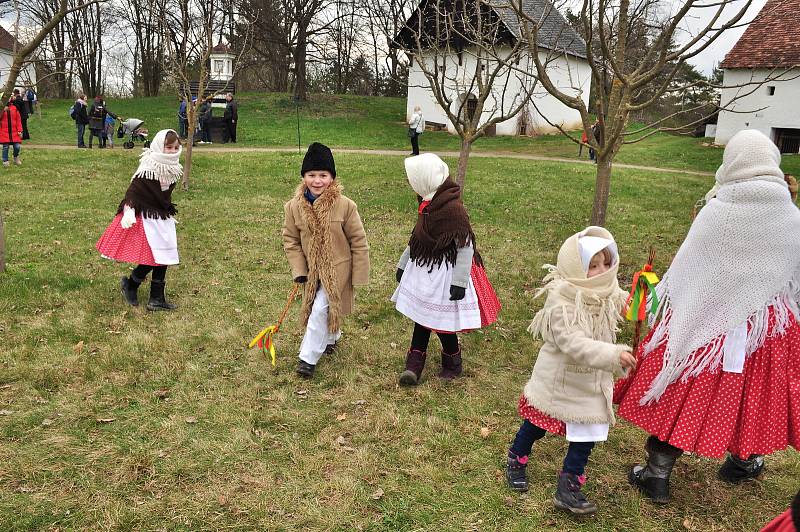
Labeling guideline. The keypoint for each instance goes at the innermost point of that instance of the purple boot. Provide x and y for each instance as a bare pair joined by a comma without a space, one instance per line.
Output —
415,363
451,365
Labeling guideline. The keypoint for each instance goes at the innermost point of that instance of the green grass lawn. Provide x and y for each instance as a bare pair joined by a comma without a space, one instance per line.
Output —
270,120
115,418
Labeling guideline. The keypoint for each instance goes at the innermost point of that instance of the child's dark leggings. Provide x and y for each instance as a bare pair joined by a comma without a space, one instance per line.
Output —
140,273
577,455
422,336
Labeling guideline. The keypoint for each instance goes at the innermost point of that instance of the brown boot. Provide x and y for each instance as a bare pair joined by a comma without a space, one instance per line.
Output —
451,365
415,363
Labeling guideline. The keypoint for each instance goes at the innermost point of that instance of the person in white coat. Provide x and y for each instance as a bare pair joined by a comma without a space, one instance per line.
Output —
416,125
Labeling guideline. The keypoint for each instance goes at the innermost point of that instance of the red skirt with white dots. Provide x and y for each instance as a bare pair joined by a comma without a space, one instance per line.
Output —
126,245
540,419
753,412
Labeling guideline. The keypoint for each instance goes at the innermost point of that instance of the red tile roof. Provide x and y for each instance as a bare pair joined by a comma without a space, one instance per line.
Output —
770,40
7,40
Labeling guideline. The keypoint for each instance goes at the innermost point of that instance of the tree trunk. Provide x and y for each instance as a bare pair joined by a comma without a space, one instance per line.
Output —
191,115
2,245
300,91
602,188
463,159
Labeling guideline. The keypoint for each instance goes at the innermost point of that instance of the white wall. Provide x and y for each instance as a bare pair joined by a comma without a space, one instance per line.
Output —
781,110
571,75
26,75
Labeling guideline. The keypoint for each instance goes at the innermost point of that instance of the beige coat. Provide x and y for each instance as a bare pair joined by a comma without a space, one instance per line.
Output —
326,242
573,378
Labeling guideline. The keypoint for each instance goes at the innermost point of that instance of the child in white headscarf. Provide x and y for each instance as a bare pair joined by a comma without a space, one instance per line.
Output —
442,284
143,232
570,390
720,371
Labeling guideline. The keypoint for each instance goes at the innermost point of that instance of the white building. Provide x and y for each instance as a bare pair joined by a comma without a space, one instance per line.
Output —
764,54
27,76
567,68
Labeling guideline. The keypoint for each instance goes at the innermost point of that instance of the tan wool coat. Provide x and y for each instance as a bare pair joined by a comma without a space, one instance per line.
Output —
573,377
326,242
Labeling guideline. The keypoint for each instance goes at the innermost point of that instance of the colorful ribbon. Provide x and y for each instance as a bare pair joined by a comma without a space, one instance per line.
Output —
264,338
264,341
644,282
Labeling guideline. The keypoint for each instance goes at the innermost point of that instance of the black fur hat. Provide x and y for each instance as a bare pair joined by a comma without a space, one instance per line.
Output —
318,157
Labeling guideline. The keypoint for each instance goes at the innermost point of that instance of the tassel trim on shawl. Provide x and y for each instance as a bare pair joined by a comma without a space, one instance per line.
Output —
163,173
595,315
783,306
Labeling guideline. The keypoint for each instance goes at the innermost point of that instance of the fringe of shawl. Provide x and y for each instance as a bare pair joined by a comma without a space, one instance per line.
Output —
595,315
320,255
782,306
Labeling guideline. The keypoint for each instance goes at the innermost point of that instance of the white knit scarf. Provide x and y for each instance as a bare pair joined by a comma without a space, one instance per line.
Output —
594,304
155,164
740,258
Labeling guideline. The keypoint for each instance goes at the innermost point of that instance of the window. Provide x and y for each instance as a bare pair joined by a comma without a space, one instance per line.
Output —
217,65
771,90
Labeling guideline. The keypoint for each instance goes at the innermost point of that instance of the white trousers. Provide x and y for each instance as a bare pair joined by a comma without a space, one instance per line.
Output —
317,336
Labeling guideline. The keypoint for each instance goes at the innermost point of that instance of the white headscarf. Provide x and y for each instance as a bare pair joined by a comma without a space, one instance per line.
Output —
592,303
155,164
426,173
740,257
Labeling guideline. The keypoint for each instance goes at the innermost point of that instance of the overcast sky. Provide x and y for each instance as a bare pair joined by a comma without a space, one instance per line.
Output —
715,53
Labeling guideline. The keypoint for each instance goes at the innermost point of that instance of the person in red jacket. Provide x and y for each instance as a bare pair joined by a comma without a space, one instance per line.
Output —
11,132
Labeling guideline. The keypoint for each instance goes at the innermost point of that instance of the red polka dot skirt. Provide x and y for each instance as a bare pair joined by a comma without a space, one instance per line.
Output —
488,303
126,245
753,412
540,419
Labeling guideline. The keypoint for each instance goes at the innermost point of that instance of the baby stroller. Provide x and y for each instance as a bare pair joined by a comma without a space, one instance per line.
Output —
132,127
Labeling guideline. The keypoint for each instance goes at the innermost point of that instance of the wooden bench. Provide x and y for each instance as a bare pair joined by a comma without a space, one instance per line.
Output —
435,126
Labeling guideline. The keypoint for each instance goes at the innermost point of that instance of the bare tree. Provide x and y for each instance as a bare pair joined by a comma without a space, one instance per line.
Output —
146,20
191,28
466,56
19,57
622,71
386,19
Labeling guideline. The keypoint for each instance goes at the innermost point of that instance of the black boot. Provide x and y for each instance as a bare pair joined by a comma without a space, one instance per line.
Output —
415,363
735,470
515,472
130,290
653,479
304,369
451,365
569,496
157,299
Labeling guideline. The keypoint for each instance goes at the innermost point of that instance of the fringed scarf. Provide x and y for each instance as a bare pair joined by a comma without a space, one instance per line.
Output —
739,264
442,227
593,304
320,253
159,166
150,191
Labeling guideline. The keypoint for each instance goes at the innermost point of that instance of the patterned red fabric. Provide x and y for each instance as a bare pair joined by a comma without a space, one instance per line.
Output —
541,420
126,245
488,304
753,412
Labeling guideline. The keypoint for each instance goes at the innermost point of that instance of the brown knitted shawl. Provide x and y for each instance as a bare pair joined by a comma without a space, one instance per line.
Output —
320,253
442,227
148,200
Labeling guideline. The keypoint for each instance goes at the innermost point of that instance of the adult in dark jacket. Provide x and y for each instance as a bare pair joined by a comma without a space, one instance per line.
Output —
205,113
81,118
22,109
97,121
231,116
10,131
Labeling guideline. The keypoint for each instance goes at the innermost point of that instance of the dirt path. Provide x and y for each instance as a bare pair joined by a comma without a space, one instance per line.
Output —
404,153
